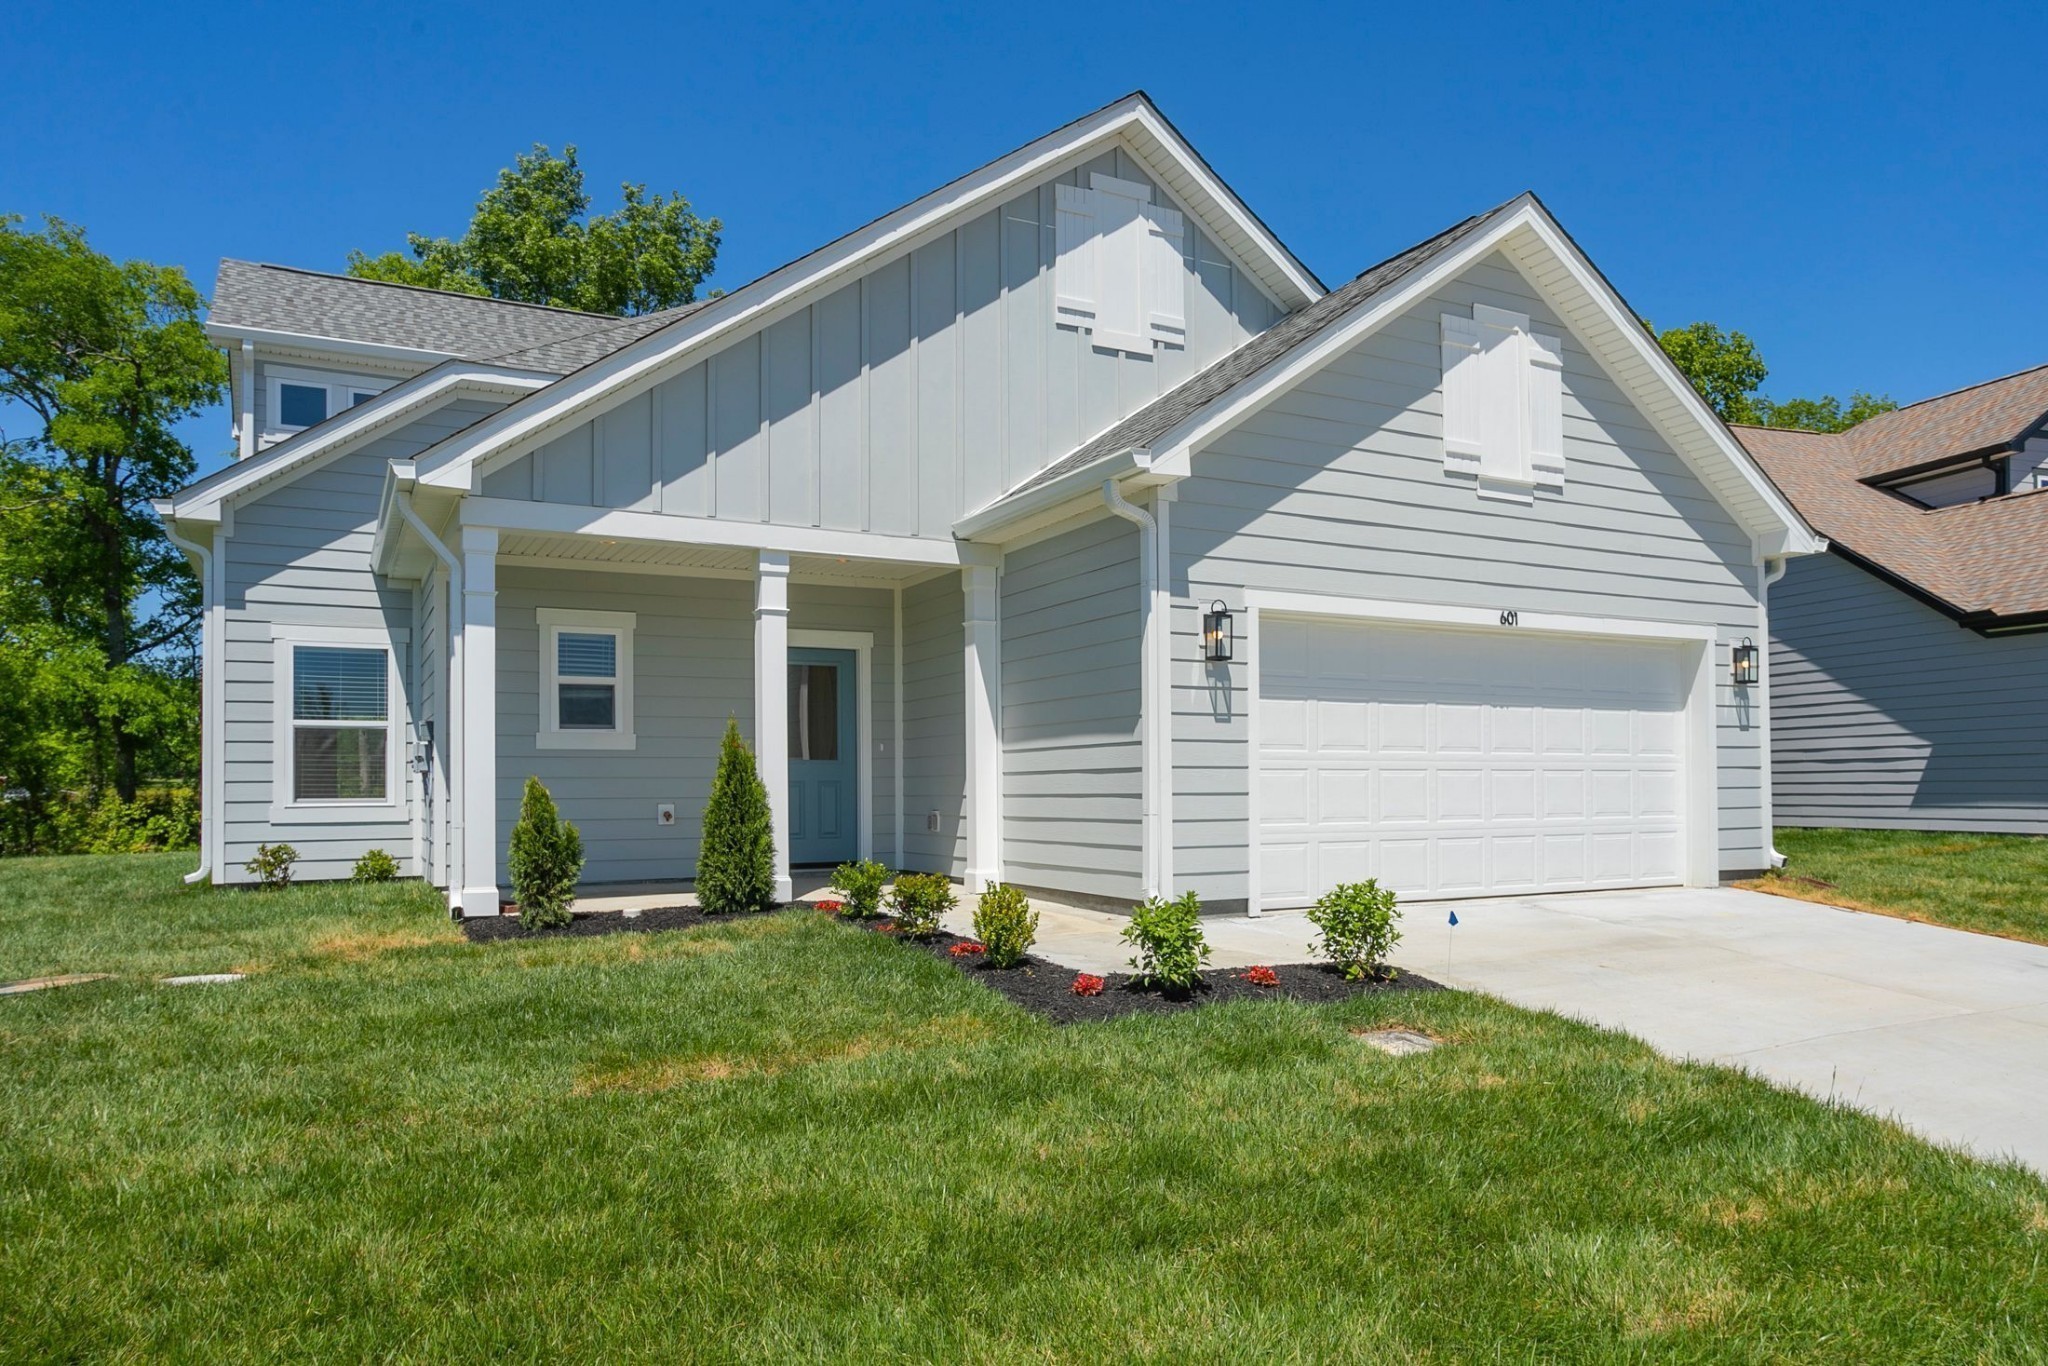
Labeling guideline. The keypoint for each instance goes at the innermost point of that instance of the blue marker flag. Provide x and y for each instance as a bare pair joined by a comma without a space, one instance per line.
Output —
1454,917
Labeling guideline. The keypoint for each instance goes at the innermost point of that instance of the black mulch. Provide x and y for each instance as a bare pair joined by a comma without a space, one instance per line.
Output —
1044,988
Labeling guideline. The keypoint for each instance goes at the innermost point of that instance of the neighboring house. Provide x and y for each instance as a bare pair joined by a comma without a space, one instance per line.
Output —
939,512
1910,664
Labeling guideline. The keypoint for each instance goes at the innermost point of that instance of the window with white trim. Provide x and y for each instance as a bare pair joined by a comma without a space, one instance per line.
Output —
586,699
1121,273
302,399
340,744
1503,400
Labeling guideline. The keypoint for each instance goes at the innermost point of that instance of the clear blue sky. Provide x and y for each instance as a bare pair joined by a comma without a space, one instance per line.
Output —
1862,189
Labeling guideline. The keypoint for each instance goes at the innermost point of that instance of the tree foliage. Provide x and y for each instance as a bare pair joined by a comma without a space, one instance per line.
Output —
736,862
1729,373
98,611
531,239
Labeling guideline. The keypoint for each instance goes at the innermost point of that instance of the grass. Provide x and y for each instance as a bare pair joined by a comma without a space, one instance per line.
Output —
785,1138
1993,884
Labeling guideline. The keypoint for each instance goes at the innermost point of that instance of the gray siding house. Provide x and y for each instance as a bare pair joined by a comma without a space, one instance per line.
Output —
1910,663
1058,528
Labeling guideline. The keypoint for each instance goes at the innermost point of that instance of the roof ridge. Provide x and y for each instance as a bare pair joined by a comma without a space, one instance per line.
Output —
422,289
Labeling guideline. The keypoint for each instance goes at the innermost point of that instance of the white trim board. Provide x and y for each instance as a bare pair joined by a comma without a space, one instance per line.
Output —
1478,618
862,643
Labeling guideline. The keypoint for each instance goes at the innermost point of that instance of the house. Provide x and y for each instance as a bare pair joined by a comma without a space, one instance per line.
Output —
1911,660
1059,527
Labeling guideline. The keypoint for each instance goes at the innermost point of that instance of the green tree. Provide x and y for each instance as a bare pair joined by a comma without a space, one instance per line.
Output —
98,611
531,239
1826,413
545,860
736,862
1729,373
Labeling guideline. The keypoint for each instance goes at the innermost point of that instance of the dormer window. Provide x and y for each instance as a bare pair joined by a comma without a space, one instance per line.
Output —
1503,403
1121,275
302,399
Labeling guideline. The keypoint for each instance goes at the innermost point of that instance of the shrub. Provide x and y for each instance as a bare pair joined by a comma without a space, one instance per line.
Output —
1005,922
1356,920
375,866
1086,984
273,864
862,880
1168,938
545,860
736,864
919,900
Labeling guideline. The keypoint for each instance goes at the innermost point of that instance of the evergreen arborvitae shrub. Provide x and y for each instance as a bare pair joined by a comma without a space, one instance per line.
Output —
546,860
736,865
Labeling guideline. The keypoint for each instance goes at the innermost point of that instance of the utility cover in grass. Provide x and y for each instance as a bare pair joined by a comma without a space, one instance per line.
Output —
1400,1043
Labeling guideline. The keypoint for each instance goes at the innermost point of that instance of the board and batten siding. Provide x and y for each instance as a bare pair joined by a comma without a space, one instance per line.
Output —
1073,807
1887,715
898,402
1337,486
693,666
935,727
300,555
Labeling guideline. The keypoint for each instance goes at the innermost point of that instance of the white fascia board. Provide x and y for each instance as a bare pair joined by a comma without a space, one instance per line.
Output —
460,461
230,334
1493,619
203,500
561,519
1012,511
1175,448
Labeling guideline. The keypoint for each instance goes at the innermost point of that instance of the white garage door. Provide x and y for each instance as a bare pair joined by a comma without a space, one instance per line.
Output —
1457,763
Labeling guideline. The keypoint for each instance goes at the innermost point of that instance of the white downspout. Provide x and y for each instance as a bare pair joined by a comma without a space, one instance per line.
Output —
245,434
1773,571
451,806
1148,531
210,738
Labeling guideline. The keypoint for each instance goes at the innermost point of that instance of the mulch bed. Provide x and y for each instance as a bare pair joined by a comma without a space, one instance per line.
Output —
1044,988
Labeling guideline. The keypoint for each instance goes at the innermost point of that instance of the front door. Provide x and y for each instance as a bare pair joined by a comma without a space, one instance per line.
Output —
824,767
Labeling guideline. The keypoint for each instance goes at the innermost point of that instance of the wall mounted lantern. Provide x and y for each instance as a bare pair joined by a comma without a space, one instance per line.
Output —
1217,638
1747,667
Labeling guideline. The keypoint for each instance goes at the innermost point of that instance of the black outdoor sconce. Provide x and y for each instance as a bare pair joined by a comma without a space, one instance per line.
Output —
1217,637
1747,667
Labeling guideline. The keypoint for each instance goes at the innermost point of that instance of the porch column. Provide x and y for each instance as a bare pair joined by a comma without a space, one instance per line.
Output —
479,702
771,701
984,662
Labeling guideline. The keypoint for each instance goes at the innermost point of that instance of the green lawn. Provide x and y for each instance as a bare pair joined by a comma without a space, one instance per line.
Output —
786,1138
1994,884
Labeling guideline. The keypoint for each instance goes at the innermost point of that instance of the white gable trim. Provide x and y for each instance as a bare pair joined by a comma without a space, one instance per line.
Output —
460,461
1531,238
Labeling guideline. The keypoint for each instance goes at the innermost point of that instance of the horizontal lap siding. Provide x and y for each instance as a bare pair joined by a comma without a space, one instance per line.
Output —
301,554
899,401
1072,762
1338,487
934,726
693,666
1886,714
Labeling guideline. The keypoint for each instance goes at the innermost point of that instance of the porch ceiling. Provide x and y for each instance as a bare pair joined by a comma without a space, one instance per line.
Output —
664,557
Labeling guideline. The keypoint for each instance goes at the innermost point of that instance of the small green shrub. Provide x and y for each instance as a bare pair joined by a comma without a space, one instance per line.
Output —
1005,924
375,866
1356,920
919,901
546,859
861,882
272,865
1168,938
736,863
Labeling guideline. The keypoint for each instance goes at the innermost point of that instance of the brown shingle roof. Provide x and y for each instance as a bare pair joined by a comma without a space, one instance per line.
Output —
1984,562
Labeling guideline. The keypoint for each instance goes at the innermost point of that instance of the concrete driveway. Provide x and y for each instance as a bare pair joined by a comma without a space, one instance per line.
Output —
1945,1031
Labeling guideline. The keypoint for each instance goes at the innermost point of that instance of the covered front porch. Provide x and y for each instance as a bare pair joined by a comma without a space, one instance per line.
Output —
602,652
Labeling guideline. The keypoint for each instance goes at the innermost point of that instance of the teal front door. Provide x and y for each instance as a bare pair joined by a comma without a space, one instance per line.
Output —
824,758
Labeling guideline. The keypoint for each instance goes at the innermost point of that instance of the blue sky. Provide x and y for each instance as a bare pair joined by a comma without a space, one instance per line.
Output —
1859,188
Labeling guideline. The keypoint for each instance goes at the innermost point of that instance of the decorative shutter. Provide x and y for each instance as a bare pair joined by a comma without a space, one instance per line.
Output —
1545,375
1166,278
1461,394
1503,437
1074,271
1123,240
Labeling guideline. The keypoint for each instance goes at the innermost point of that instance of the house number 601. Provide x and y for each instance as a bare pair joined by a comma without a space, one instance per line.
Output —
1510,618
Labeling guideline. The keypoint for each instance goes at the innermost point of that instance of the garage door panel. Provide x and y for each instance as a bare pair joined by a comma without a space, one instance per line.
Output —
1450,763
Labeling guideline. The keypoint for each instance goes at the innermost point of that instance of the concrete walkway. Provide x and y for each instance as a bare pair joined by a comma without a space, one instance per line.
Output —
1945,1031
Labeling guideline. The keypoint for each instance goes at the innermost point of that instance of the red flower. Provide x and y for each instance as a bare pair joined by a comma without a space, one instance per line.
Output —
1262,977
1087,984
967,950
886,927
830,905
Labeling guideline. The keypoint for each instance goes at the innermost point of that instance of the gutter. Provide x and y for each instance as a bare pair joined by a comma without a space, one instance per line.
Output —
1154,753
451,809
210,775
1015,507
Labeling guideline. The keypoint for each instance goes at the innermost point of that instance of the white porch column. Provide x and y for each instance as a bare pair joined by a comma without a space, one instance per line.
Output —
984,661
771,701
479,703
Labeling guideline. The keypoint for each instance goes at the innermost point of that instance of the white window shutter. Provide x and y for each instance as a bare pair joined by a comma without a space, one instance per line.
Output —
1074,271
1545,376
1166,283
1461,394
1123,239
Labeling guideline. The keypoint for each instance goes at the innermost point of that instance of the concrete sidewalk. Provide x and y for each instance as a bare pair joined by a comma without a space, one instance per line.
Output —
1943,1030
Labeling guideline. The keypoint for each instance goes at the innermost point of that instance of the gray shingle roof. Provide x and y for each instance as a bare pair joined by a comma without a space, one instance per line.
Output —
561,356
1167,411
285,299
